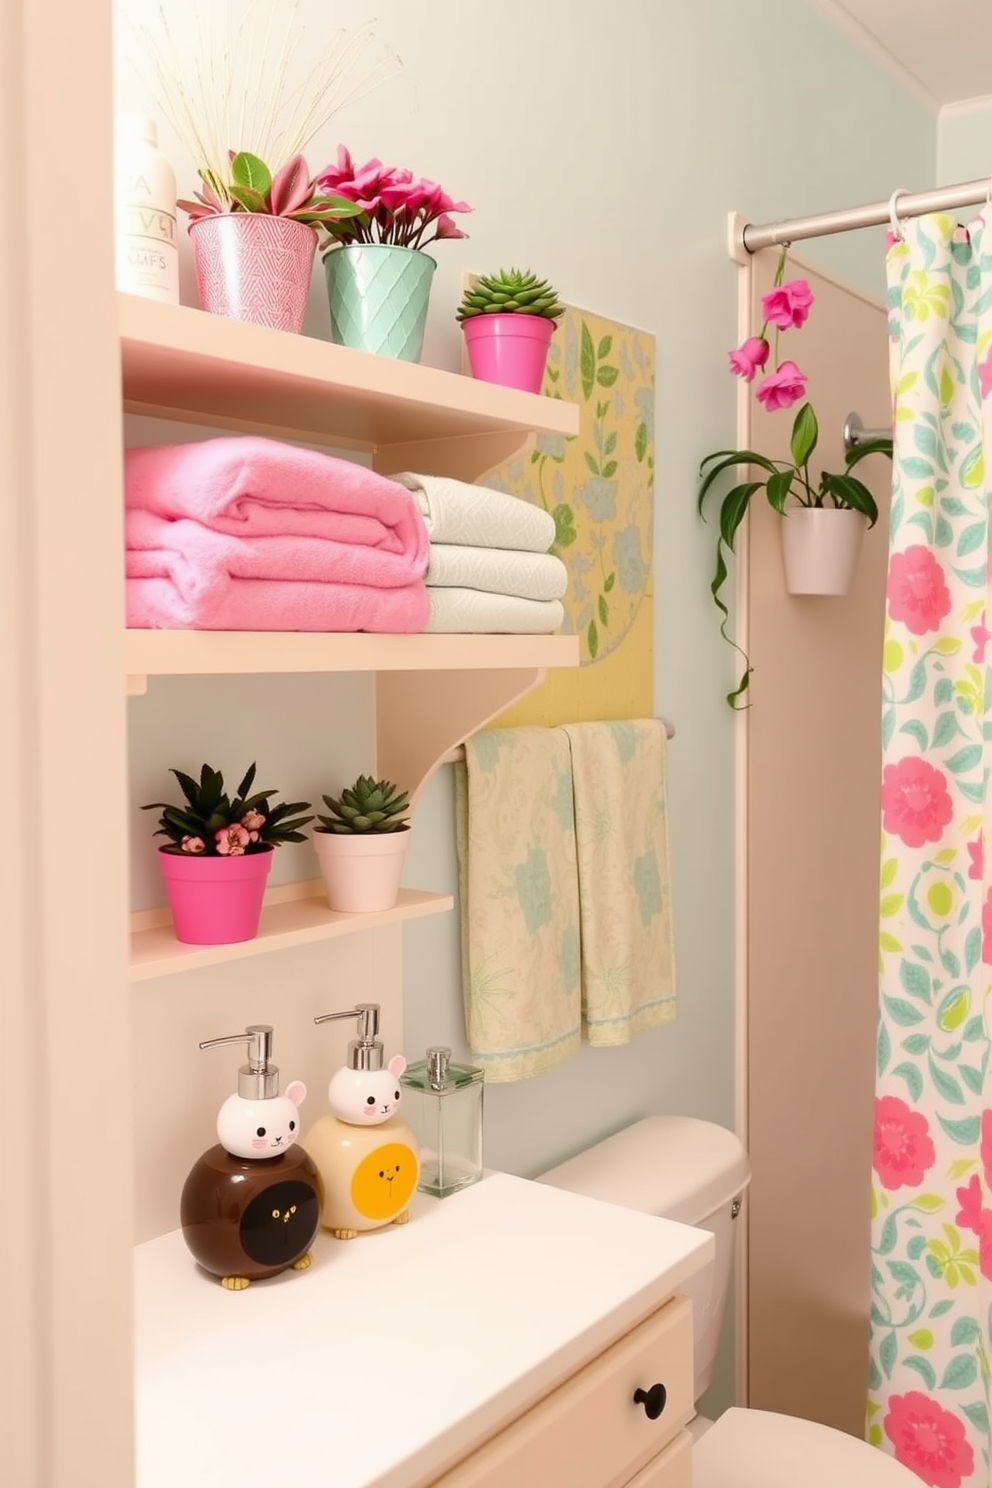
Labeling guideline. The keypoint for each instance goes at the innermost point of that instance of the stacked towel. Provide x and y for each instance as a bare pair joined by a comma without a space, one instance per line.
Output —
251,534
489,567
563,868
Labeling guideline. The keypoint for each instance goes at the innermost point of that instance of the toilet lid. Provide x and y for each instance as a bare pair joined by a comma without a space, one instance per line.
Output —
759,1449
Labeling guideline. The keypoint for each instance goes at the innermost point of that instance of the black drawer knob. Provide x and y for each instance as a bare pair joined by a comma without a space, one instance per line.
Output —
653,1401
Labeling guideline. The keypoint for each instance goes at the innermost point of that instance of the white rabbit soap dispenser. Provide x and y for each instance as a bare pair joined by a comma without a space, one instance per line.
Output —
251,1204
366,1155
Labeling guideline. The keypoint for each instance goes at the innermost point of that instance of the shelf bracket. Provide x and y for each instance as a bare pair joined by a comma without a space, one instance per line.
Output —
421,716
466,458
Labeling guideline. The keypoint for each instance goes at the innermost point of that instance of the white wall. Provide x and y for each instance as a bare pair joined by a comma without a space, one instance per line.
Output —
964,142
603,146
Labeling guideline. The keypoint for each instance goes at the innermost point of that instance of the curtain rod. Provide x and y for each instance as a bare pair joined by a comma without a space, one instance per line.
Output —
904,203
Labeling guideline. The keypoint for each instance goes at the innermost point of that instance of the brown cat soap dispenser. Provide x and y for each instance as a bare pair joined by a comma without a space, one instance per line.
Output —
251,1205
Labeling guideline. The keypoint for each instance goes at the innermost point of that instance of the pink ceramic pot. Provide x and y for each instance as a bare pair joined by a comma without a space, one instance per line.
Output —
509,349
215,901
253,267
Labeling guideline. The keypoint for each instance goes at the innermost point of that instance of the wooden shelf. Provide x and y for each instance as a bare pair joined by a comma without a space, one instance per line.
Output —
180,363
294,914
159,653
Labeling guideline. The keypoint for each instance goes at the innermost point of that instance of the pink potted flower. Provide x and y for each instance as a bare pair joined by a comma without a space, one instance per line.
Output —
378,274
827,513
508,320
255,237
219,853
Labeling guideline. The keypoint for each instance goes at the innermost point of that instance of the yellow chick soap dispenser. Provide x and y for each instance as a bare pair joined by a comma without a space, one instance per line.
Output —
365,1154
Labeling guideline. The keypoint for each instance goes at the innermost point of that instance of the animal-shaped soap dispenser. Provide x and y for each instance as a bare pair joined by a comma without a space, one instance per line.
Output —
251,1205
366,1155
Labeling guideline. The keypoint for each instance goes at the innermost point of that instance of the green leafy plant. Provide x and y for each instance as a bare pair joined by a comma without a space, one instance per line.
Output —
510,293
785,306
210,824
367,806
253,188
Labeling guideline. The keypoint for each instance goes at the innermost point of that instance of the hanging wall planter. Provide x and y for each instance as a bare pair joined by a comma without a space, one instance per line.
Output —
820,549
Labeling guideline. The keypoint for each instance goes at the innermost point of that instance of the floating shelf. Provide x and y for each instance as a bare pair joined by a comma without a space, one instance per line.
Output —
151,653
180,363
294,914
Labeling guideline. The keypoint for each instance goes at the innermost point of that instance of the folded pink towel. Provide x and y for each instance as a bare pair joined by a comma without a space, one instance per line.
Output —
197,558
253,487
275,604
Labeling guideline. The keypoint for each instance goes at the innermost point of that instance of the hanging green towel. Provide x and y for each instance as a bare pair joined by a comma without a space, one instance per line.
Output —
519,901
621,833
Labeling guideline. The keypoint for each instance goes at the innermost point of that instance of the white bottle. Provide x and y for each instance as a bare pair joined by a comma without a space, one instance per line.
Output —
147,257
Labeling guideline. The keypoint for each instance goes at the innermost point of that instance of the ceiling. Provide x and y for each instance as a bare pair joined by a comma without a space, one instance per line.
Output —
943,47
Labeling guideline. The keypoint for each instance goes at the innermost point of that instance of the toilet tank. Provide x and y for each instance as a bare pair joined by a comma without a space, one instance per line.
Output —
678,1168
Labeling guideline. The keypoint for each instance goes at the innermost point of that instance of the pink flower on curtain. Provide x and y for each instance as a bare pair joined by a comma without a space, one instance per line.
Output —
783,387
902,1151
976,852
787,305
980,636
985,377
986,1146
915,802
929,1440
916,591
987,929
971,1216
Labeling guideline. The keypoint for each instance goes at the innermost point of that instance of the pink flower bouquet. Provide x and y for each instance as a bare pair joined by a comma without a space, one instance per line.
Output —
396,207
785,307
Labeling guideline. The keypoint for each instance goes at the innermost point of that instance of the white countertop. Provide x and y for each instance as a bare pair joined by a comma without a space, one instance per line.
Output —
397,1351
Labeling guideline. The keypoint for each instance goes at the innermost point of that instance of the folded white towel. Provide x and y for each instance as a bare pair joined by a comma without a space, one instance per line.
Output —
474,612
456,512
498,570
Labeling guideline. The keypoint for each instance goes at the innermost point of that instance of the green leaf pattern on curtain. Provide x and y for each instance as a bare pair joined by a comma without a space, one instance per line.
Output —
931,1264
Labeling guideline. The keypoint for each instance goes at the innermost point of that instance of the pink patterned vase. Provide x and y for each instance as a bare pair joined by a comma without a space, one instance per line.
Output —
250,266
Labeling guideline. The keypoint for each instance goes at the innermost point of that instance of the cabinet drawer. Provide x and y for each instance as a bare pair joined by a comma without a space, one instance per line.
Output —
589,1433
672,1469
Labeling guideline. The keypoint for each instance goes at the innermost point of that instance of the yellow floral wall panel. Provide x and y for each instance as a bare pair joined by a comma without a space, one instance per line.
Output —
599,486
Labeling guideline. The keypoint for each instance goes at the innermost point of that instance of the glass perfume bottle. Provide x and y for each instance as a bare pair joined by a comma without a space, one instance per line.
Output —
444,1107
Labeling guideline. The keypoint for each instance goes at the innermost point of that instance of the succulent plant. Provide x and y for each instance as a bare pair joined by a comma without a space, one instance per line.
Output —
211,825
367,806
508,294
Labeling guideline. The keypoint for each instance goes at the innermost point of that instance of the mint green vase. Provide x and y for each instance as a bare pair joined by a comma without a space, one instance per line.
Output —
378,295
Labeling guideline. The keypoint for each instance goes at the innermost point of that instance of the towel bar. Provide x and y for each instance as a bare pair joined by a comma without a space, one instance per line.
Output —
456,755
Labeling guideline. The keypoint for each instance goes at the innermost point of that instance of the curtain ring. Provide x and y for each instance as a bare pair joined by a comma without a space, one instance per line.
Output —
897,231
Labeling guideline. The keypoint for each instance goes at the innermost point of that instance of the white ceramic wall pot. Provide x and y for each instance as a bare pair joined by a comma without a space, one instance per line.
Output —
820,549
361,870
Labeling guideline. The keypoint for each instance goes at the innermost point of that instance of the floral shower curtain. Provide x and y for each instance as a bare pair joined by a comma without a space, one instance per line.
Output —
932,1210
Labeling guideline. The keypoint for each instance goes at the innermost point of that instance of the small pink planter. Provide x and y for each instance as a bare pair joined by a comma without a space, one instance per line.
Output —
509,349
253,267
215,901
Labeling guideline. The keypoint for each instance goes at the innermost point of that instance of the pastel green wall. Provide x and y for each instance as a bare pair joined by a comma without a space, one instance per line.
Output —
604,146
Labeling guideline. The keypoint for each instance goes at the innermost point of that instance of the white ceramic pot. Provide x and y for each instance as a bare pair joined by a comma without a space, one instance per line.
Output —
361,870
820,548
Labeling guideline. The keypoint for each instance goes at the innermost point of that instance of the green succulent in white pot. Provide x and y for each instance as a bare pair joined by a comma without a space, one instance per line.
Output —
508,320
361,845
